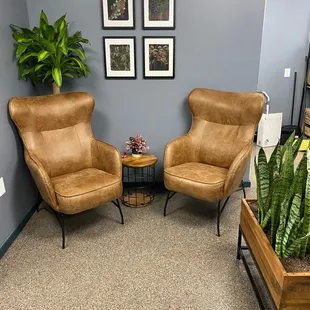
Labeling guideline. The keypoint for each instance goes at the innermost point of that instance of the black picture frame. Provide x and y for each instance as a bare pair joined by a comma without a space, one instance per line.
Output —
154,26
105,26
108,71
157,75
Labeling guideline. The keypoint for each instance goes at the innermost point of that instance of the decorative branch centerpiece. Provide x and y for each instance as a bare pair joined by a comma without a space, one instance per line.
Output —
48,53
137,145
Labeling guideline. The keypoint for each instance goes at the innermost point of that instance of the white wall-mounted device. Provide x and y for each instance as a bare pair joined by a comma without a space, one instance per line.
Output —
269,130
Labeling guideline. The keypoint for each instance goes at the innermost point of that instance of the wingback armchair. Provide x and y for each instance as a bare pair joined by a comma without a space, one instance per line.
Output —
209,162
73,171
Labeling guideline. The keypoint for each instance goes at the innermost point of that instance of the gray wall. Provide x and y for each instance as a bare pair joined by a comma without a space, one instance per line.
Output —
217,46
21,194
284,45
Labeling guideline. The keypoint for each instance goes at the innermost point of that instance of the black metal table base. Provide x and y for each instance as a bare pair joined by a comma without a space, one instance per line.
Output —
241,255
138,183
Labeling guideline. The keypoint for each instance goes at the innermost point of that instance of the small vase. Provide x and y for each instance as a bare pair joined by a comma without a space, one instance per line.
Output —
136,154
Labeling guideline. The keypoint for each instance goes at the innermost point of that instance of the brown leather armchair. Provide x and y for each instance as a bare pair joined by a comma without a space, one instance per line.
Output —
209,162
73,171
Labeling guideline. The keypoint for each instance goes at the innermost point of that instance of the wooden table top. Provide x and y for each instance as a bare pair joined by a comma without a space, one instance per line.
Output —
146,160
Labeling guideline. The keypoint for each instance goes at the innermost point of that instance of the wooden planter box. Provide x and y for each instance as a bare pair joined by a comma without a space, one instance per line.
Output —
289,291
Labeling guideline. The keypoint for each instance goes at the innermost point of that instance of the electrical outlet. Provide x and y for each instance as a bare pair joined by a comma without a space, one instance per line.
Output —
2,187
287,72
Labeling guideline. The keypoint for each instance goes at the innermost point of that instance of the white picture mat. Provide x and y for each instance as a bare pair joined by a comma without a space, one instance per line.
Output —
113,41
160,41
158,23
117,23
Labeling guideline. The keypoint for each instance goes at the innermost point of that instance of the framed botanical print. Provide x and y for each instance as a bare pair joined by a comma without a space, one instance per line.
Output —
118,14
159,57
120,57
158,14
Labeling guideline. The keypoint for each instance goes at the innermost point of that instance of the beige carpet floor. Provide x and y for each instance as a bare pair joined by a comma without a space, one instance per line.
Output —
151,262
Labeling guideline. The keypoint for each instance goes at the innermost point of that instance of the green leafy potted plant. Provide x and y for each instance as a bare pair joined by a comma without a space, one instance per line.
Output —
48,53
276,227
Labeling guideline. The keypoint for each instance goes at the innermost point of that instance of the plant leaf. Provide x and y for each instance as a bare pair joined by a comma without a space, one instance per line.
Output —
264,175
266,219
58,22
290,251
50,31
288,142
39,66
293,220
43,55
258,193
63,46
21,49
27,56
26,72
43,25
43,19
47,75
282,190
70,75
62,30
297,187
274,163
79,52
306,223
296,146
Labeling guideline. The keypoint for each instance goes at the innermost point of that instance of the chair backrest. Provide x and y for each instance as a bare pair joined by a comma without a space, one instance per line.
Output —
56,130
223,124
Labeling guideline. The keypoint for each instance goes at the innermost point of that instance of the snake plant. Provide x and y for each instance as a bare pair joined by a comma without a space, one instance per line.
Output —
48,53
283,197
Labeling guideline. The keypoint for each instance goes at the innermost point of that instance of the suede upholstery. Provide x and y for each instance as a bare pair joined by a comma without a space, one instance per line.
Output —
72,170
209,162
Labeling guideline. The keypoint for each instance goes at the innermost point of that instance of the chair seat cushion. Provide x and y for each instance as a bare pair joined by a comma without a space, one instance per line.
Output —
85,189
198,180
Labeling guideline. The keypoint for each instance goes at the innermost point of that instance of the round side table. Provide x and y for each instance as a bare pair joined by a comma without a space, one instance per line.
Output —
138,180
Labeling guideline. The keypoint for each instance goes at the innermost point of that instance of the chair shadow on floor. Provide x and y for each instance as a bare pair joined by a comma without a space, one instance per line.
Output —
47,226
190,210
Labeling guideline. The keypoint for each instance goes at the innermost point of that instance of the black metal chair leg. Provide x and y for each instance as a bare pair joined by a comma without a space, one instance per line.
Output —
117,204
39,201
61,220
239,244
218,218
243,188
166,204
219,213
62,224
167,200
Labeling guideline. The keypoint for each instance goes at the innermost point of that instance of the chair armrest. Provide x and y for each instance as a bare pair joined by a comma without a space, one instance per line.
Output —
237,170
42,180
178,152
106,157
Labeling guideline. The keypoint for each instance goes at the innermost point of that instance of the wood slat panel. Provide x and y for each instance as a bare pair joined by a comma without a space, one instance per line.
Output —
290,291
296,291
268,262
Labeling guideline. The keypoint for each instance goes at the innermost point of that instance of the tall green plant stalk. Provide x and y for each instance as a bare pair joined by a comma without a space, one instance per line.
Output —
283,197
48,53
